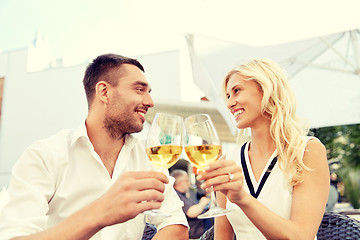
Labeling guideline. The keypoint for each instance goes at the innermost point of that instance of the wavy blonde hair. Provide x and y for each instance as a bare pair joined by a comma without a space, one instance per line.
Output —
279,105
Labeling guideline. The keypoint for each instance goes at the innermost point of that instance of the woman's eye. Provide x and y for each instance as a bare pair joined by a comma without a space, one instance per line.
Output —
236,90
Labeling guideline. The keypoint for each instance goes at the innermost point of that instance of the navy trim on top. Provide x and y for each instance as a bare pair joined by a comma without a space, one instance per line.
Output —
247,176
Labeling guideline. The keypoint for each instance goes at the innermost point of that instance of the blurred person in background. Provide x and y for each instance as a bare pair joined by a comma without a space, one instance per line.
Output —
333,194
191,208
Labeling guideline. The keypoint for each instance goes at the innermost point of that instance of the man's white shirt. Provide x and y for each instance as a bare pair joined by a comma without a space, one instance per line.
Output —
59,175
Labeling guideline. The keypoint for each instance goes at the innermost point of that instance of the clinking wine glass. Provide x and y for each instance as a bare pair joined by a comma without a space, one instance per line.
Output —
164,144
202,146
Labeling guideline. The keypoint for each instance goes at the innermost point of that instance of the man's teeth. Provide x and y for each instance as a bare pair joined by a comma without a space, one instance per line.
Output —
237,113
141,113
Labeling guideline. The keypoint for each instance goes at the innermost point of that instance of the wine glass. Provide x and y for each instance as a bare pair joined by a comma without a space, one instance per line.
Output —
164,144
202,146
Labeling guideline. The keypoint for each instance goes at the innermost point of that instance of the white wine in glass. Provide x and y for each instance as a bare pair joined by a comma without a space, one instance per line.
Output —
163,156
164,144
202,146
202,155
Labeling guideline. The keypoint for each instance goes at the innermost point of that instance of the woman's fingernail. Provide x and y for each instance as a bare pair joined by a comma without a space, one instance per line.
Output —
199,177
203,185
206,168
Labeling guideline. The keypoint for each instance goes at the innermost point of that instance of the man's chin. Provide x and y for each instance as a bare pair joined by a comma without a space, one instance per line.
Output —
136,130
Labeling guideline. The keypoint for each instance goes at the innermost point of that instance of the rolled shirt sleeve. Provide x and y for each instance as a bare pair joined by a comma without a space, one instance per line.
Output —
31,188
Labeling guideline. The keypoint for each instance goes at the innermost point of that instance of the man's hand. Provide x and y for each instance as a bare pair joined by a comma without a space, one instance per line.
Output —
132,194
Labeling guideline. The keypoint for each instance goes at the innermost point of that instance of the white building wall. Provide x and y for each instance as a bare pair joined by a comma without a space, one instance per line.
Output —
162,70
3,63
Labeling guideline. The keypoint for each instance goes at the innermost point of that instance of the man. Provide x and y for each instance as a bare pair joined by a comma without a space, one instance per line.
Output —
94,181
190,208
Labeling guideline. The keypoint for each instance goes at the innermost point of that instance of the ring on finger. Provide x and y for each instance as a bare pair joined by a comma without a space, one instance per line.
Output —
231,177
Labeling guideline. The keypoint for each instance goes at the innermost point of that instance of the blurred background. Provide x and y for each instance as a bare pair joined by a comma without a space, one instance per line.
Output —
186,47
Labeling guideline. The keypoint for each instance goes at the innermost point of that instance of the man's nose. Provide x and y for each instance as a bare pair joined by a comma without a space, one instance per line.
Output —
148,101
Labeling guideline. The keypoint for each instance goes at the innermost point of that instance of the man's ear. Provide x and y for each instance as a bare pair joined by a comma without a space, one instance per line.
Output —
102,91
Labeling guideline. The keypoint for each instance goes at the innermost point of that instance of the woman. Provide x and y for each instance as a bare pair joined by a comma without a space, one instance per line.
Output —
288,202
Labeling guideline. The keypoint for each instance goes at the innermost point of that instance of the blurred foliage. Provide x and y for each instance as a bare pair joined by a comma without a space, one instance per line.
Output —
351,179
342,143
343,152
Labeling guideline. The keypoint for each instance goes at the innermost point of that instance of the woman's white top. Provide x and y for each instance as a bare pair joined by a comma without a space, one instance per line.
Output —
276,195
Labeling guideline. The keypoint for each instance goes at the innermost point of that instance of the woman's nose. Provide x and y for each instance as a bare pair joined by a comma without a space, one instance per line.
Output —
231,103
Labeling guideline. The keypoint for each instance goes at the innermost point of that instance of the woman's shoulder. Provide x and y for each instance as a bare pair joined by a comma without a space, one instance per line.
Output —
313,143
314,149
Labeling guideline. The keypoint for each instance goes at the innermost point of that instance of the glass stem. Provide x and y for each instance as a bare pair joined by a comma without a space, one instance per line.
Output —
213,199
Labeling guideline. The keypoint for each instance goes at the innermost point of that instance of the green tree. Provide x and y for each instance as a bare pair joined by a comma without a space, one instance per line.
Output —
343,146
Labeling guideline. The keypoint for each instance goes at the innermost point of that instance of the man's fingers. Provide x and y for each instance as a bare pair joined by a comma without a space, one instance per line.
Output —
145,206
148,195
150,174
150,183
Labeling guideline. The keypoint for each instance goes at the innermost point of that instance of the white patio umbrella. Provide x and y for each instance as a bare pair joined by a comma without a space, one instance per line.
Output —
324,72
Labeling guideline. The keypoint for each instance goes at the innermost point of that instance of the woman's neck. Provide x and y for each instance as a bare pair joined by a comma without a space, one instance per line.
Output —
261,142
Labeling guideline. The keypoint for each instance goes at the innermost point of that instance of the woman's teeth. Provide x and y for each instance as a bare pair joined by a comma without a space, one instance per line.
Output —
237,113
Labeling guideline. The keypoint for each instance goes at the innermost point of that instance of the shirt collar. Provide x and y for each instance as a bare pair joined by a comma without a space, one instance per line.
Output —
81,133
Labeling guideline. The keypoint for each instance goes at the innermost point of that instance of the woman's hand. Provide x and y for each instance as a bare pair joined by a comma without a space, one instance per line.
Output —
218,174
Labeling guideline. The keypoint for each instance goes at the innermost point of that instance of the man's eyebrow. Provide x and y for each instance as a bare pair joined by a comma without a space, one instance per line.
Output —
143,84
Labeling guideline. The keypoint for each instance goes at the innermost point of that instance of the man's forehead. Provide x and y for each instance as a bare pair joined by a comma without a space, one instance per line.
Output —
129,73
129,69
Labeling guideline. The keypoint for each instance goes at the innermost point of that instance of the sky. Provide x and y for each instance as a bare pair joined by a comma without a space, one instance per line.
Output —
79,30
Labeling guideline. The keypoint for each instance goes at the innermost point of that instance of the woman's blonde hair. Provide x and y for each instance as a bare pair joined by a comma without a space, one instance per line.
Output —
279,105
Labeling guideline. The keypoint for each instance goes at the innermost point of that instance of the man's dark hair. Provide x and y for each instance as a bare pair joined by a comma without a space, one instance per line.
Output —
100,67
